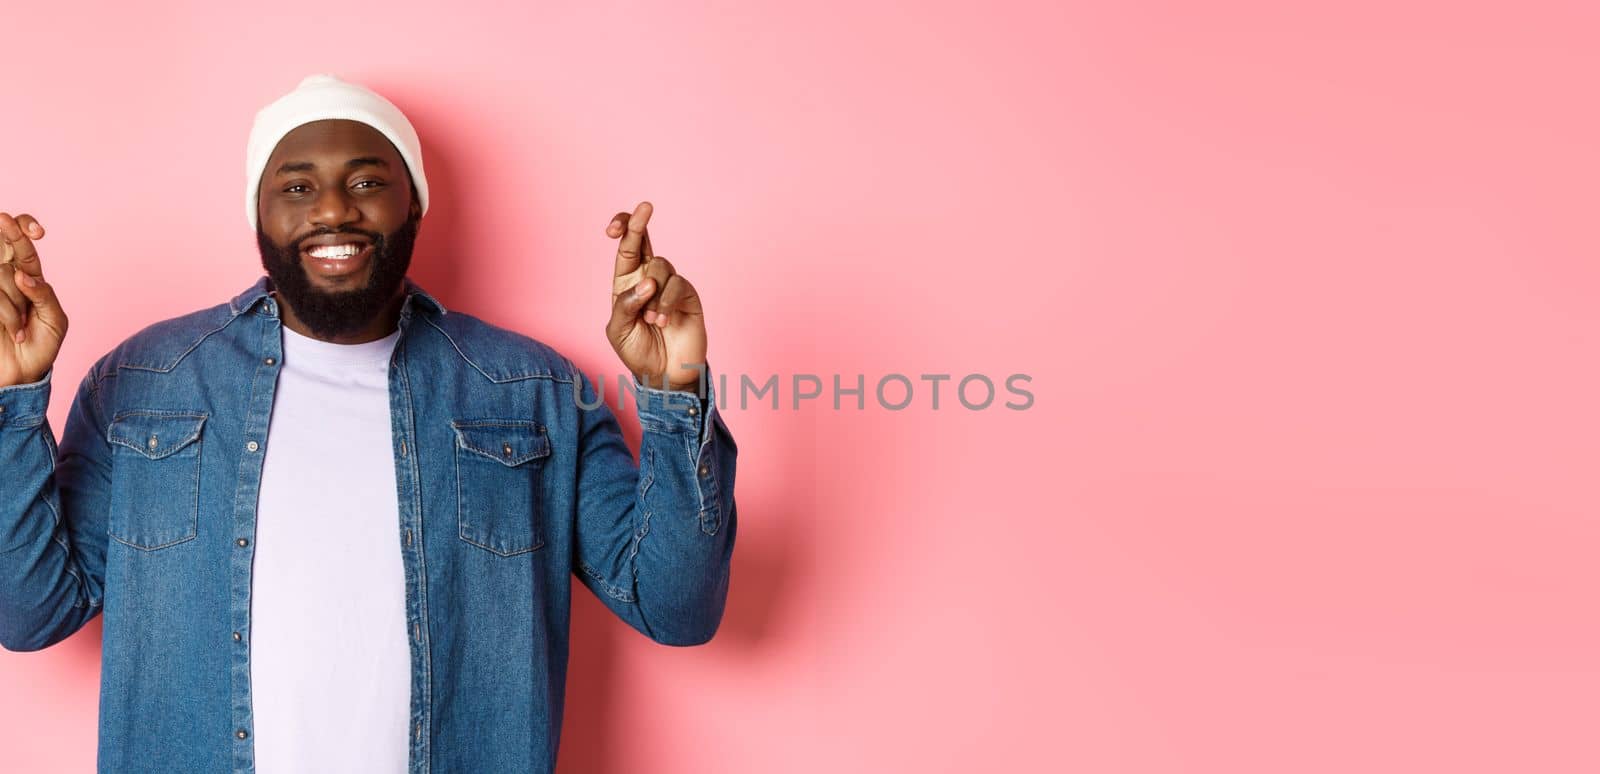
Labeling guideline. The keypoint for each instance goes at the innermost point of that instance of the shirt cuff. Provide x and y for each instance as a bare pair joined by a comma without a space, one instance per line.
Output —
677,410
24,405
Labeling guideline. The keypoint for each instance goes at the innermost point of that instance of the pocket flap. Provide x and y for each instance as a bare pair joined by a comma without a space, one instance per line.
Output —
155,434
507,441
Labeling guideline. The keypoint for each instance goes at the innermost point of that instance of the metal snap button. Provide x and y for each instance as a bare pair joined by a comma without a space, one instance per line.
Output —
507,450
242,542
152,442
252,446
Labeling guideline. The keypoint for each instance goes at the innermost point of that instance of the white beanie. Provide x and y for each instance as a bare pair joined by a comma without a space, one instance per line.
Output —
320,97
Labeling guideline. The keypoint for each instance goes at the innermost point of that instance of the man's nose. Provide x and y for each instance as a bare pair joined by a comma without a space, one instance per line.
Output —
333,208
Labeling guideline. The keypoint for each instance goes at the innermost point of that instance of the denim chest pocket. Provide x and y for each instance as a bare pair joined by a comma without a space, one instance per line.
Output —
499,483
155,477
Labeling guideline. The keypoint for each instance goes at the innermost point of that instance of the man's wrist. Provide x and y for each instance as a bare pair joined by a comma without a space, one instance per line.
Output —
29,380
24,404
693,385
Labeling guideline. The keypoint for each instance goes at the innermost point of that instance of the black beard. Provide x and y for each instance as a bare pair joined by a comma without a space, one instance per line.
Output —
330,315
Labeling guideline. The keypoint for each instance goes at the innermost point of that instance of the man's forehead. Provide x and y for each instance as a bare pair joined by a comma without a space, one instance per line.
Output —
334,140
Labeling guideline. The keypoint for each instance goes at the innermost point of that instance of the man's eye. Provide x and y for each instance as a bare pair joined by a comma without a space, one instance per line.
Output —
291,188
375,183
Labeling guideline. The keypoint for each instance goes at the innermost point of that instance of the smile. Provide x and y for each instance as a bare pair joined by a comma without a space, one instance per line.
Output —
334,251
336,260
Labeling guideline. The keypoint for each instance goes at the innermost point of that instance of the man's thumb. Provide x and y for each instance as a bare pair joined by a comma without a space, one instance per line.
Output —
627,306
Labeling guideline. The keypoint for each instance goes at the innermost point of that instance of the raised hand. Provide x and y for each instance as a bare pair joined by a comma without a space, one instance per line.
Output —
30,315
657,326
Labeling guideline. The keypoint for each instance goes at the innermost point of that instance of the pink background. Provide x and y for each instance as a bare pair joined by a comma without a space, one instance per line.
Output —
1307,296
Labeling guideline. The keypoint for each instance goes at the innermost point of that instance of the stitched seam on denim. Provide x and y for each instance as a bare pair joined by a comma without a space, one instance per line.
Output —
195,438
513,462
424,739
194,513
183,354
522,424
537,536
94,386
461,526
517,378
689,447
154,547
95,400
710,504
138,447
638,540
644,528
615,592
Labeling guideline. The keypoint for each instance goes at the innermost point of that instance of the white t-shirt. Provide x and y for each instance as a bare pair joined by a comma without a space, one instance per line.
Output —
330,659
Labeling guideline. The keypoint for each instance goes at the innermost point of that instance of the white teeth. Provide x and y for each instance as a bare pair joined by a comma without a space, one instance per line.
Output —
334,251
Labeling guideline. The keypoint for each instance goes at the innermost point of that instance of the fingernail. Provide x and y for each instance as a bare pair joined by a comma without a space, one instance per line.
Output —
642,288
19,336
25,279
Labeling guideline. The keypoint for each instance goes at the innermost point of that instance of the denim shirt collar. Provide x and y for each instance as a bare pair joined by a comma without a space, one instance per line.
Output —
262,289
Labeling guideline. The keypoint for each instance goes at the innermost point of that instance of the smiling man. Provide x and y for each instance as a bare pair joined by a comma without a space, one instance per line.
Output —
331,524
341,281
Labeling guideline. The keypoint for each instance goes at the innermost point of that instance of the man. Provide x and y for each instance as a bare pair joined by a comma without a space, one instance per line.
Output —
332,524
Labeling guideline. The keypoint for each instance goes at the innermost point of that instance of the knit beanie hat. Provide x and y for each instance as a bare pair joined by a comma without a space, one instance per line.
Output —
321,97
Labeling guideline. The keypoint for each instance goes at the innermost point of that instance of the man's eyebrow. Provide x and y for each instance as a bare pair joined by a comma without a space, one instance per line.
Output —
306,166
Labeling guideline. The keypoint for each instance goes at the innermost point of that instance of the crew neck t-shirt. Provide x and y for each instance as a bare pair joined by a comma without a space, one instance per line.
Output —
330,660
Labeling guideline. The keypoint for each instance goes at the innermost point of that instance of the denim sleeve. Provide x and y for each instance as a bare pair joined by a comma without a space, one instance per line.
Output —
654,539
52,515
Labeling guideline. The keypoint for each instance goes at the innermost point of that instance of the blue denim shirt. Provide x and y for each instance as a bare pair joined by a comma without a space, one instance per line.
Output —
507,486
